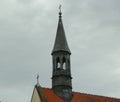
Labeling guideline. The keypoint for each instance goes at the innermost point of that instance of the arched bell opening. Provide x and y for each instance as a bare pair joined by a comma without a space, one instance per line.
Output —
58,66
64,63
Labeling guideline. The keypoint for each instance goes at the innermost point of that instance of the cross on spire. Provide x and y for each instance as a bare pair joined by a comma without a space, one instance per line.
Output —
38,80
60,8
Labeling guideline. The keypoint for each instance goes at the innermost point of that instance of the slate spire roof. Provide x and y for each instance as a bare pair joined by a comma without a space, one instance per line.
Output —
60,41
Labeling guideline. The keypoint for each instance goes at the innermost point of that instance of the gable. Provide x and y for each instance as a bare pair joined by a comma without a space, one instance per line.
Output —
35,96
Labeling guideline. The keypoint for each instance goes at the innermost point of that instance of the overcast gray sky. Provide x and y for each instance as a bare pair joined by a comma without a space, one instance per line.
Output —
27,34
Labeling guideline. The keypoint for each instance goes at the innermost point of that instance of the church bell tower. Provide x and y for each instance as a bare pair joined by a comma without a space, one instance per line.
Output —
61,75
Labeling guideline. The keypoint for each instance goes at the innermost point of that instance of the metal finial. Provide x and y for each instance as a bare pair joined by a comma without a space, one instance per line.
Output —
60,13
38,80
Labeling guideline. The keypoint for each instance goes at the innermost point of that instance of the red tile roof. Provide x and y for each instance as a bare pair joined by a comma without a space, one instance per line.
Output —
77,97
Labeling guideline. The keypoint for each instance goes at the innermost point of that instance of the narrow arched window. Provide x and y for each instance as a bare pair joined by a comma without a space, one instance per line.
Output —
64,63
58,62
58,65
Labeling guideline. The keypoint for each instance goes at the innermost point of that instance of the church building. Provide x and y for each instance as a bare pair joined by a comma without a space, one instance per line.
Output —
61,90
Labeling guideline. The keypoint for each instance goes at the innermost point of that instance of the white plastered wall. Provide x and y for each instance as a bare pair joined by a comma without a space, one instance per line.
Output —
35,96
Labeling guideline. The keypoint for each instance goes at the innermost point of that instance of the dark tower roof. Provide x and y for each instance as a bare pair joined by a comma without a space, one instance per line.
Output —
60,41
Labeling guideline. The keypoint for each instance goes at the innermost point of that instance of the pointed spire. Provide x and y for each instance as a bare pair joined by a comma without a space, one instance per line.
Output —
60,41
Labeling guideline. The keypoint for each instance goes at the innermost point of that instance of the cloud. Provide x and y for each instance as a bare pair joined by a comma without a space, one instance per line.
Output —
27,34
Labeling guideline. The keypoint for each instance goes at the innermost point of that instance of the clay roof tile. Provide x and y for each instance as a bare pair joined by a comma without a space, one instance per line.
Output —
77,97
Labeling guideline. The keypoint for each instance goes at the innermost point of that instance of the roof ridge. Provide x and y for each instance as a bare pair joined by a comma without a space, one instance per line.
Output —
97,95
